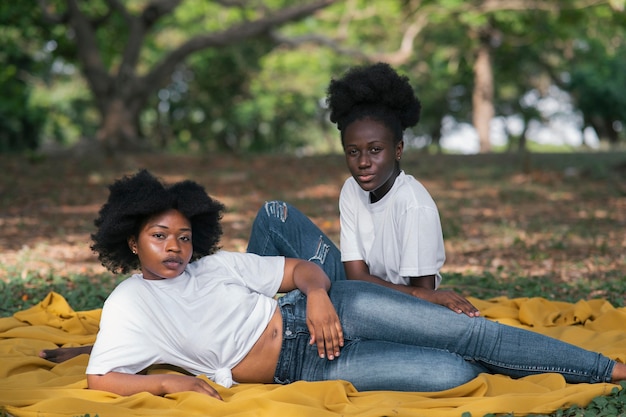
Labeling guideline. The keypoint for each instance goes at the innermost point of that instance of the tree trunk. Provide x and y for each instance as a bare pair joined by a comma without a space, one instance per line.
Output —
482,96
119,129
122,92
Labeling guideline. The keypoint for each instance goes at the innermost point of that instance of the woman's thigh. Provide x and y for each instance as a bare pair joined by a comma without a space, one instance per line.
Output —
280,229
375,365
369,311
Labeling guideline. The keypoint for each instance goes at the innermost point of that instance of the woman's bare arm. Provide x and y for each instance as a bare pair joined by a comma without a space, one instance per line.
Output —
421,287
322,319
158,384
63,354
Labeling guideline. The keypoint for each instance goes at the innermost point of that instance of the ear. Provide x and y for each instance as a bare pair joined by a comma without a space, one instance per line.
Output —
132,244
399,149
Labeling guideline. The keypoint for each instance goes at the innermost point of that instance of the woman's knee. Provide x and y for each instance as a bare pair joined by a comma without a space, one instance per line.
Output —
270,215
275,210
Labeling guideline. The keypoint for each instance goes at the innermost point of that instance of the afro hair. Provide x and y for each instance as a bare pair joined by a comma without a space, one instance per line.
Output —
134,199
374,91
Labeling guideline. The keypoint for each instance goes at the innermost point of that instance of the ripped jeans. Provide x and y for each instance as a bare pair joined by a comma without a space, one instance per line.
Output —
282,230
397,342
394,341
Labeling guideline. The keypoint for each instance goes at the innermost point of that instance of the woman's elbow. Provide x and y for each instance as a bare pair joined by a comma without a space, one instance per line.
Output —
94,381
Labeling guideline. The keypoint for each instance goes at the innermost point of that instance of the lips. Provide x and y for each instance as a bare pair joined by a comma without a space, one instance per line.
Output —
365,177
173,262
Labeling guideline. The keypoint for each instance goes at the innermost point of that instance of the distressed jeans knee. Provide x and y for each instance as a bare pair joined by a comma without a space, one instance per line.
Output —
277,209
280,229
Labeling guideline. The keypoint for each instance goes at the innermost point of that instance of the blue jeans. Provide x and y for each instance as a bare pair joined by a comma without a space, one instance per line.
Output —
397,342
394,341
280,229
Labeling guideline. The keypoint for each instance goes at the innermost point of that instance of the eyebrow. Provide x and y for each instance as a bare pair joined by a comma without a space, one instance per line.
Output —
370,143
184,229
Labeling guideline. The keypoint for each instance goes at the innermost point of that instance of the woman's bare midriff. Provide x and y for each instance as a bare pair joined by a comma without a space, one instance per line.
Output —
259,365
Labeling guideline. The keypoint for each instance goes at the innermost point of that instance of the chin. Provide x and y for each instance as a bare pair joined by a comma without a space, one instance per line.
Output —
368,187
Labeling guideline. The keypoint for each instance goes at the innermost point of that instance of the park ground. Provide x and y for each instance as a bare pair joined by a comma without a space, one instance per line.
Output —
555,223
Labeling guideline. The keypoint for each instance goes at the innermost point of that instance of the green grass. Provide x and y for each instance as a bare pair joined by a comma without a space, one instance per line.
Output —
82,292
489,286
612,405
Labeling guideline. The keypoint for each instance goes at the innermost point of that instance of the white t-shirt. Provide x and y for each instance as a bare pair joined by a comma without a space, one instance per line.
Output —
398,236
205,320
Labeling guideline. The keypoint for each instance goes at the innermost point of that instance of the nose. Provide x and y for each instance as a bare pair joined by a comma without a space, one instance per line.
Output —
364,160
173,244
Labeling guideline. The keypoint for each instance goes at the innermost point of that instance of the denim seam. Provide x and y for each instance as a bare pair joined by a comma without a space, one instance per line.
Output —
542,369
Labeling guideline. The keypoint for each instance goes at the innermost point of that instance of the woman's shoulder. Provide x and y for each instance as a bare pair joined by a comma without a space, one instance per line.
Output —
349,184
351,191
411,192
229,260
221,257
126,290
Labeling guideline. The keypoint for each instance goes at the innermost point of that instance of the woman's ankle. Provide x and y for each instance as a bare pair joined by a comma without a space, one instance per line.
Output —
619,372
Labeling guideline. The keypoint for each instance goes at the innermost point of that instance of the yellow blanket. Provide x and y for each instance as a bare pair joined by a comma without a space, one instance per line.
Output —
30,386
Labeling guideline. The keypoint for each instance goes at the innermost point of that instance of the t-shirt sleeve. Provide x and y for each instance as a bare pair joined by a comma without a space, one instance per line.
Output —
349,241
119,346
422,242
262,274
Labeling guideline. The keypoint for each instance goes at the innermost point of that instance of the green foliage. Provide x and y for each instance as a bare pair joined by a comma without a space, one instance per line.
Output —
597,84
209,104
261,96
20,121
82,292
612,405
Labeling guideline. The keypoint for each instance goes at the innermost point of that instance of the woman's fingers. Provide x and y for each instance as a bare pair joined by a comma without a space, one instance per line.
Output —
327,334
456,303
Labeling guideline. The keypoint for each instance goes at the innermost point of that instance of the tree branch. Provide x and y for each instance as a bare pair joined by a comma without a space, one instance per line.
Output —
405,51
398,57
157,9
295,42
232,35
87,48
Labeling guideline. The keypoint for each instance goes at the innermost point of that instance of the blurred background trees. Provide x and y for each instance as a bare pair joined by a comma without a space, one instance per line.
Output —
242,76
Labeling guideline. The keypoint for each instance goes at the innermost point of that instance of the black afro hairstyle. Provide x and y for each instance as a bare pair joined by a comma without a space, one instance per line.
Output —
374,91
134,199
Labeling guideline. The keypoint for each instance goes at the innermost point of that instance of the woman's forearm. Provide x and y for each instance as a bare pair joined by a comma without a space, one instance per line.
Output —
161,384
308,276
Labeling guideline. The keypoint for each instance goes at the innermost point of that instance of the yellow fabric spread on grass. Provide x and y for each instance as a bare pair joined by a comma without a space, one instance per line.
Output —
31,386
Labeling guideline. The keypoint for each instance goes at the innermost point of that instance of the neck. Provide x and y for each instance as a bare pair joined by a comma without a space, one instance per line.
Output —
379,193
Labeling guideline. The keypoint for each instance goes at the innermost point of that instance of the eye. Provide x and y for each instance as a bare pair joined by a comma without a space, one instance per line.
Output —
376,149
158,235
352,152
185,238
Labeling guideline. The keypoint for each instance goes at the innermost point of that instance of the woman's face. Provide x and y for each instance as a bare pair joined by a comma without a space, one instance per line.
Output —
163,245
372,156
